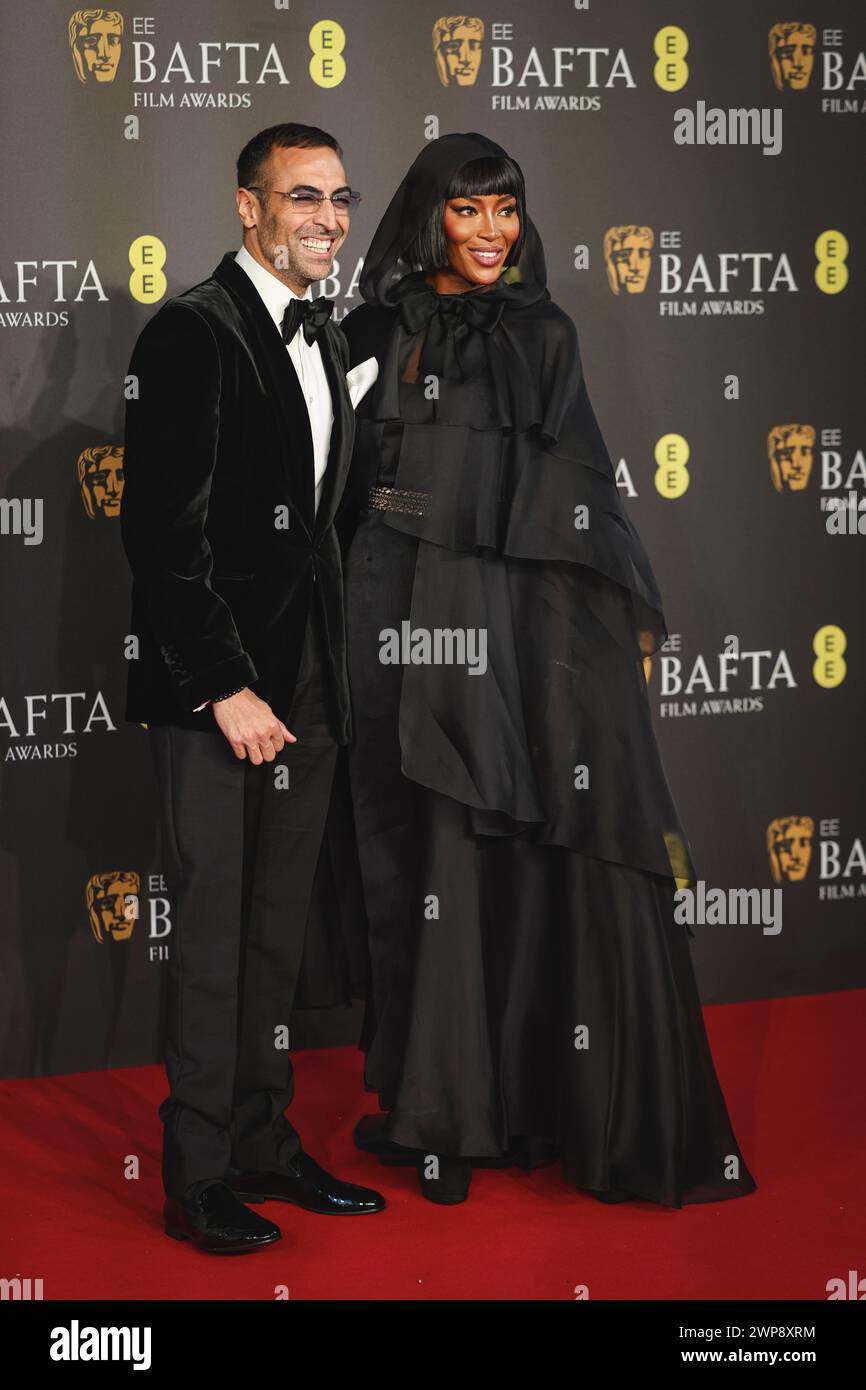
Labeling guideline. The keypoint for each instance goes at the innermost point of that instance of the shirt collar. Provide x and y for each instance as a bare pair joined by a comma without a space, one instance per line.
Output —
275,294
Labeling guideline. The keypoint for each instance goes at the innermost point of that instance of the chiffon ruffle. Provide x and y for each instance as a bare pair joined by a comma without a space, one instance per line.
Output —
523,537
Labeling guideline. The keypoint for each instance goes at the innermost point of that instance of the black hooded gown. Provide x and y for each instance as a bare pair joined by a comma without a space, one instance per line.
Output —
532,995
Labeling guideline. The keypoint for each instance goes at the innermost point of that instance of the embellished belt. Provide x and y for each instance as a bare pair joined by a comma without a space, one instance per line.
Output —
395,499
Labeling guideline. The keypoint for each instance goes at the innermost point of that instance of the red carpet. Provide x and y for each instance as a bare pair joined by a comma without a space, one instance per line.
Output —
791,1070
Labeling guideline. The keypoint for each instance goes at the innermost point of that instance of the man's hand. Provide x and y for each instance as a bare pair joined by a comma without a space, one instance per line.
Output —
251,726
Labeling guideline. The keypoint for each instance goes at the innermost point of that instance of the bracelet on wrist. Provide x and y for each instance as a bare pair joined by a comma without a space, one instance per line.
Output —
217,699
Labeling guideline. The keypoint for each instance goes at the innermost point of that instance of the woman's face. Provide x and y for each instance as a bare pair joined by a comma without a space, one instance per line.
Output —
479,232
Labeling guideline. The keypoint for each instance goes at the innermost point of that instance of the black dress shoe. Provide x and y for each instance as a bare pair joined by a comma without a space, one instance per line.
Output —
369,1137
452,1183
217,1222
306,1184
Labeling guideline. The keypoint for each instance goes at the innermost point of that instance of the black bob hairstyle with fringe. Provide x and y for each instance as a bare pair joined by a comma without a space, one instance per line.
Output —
475,179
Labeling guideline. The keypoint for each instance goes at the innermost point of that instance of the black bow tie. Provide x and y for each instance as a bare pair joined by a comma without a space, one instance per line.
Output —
312,313
453,345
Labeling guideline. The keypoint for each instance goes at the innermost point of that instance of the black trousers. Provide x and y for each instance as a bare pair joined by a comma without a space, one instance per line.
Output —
240,853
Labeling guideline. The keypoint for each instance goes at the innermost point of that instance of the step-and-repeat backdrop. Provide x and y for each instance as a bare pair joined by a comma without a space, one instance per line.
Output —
696,171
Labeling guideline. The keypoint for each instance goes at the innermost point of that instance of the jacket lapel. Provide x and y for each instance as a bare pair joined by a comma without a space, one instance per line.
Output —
292,422
335,356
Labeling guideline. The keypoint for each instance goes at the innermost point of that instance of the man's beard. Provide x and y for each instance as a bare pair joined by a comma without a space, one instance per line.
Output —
282,255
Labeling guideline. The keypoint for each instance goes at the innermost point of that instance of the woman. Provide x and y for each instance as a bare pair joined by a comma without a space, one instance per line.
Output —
533,996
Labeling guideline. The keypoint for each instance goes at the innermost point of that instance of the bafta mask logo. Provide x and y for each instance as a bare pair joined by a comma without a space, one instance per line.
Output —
112,905
790,449
645,640
100,476
94,37
628,257
789,846
792,55
678,859
457,40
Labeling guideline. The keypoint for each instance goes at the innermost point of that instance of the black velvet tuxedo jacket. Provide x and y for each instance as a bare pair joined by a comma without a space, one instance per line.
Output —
218,454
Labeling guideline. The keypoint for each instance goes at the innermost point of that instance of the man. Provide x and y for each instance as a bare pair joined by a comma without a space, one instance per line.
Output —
237,451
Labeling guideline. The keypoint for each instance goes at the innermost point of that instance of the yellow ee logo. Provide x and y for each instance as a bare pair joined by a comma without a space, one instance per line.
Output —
671,456
147,256
829,668
670,46
327,65
831,272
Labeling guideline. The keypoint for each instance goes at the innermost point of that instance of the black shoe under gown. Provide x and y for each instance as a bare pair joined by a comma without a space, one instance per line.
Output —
531,1002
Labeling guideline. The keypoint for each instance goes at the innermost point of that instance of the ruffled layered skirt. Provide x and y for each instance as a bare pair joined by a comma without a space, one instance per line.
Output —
532,995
